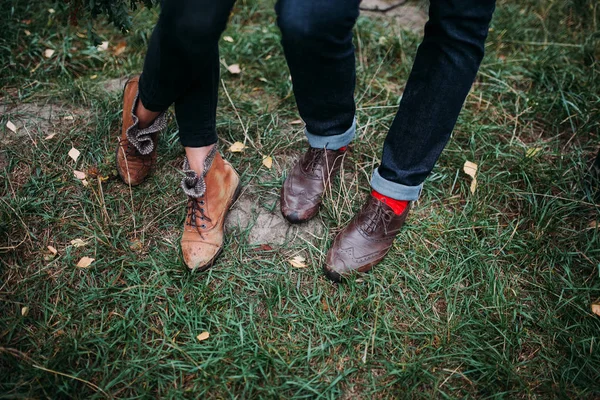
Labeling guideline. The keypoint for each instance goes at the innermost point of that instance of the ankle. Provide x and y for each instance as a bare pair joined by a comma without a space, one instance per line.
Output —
197,156
145,116
397,205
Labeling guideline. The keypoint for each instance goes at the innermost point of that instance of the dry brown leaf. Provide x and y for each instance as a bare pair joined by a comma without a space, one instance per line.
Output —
596,308
93,77
234,69
24,311
297,122
120,48
136,245
228,39
594,225
102,46
237,147
26,32
48,53
298,262
74,153
11,126
78,243
52,250
79,174
267,161
470,169
50,136
85,262
203,336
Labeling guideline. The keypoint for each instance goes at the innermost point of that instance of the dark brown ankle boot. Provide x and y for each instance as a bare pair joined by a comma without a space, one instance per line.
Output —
365,241
302,191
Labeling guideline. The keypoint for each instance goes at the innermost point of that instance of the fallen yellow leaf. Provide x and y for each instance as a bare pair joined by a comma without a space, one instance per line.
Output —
228,39
48,53
27,33
68,118
470,169
74,153
234,69
78,243
297,122
11,126
85,262
79,174
237,147
203,336
532,152
267,161
298,262
85,182
24,311
52,250
596,308
50,136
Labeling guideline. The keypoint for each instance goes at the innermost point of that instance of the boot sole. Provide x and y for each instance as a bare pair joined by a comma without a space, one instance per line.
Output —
236,195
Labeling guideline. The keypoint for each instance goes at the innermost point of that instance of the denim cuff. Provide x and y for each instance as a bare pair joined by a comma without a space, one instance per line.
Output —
393,189
333,142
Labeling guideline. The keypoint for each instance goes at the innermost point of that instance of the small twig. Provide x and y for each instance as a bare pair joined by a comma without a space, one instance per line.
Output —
130,191
244,128
90,384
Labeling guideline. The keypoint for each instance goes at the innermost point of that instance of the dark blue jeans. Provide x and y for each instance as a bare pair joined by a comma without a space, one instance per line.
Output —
182,67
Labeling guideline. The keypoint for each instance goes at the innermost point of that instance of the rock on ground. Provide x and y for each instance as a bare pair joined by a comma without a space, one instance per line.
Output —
265,227
408,16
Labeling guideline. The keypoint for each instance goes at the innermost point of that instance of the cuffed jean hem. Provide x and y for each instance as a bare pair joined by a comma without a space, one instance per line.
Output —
197,139
394,190
333,142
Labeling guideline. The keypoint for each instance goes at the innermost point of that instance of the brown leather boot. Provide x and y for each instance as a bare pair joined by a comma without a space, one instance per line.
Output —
365,241
209,199
302,191
136,151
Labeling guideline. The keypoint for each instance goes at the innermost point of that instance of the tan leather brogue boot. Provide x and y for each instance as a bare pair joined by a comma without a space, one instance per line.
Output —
209,199
136,151
365,241
302,191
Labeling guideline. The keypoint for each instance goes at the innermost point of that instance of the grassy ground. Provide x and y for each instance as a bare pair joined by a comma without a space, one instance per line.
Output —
483,295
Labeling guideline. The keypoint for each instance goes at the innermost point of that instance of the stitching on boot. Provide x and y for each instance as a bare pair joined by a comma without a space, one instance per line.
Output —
141,138
192,184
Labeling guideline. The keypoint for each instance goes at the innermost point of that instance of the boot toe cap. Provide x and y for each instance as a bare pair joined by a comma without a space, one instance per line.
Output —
199,256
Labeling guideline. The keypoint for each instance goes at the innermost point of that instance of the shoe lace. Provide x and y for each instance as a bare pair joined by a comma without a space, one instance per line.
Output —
378,218
195,211
316,155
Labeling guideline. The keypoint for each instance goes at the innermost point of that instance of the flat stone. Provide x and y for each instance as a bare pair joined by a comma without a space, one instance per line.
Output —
408,16
114,85
34,119
267,227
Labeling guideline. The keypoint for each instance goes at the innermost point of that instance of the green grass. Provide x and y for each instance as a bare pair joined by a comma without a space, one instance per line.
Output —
484,295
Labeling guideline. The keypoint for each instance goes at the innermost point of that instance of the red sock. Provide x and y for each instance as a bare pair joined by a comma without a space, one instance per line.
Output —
397,205
343,148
